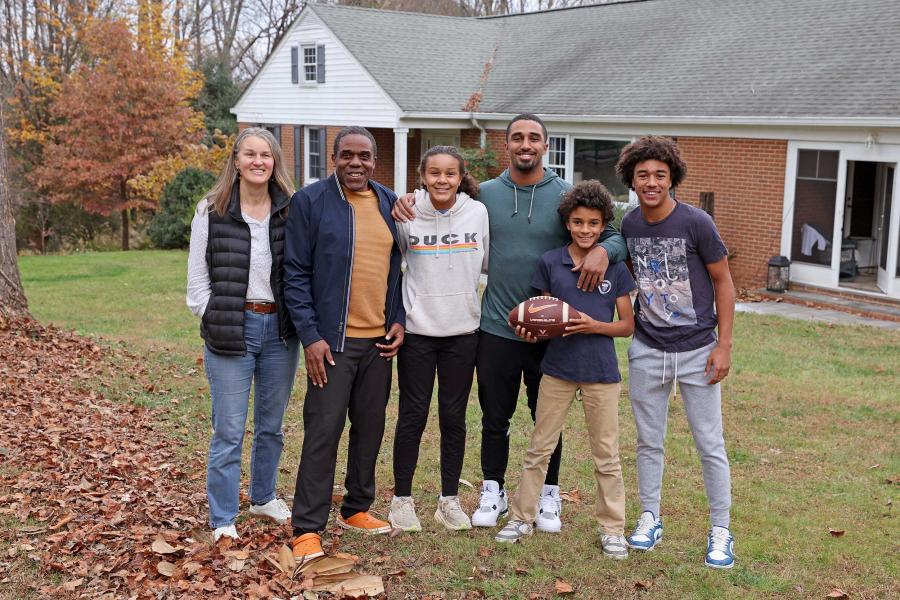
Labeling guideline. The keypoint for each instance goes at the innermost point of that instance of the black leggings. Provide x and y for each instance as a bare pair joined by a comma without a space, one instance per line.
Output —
502,366
454,360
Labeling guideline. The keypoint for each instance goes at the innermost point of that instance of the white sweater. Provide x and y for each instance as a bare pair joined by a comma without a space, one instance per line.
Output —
445,255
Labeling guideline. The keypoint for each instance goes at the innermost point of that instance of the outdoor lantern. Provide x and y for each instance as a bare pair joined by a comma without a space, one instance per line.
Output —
779,274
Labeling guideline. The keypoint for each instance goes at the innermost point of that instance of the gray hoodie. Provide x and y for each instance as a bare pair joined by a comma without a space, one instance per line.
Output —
445,255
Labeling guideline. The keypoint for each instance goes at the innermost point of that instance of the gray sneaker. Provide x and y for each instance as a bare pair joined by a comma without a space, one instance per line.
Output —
403,514
614,546
450,514
513,532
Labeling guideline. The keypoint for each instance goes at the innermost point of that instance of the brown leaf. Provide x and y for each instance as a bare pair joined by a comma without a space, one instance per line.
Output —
62,521
161,546
562,587
521,571
286,559
468,484
165,568
643,585
836,532
236,564
837,593
395,532
238,554
484,552
573,496
72,584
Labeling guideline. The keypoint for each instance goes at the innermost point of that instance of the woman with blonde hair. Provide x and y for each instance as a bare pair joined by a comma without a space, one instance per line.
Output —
235,286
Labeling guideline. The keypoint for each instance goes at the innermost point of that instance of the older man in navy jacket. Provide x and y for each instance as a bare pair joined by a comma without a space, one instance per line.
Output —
342,288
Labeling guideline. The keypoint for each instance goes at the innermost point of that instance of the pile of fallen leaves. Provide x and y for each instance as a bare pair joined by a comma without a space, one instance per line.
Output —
101,507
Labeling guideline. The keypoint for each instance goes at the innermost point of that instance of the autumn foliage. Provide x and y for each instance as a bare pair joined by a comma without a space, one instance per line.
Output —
125,108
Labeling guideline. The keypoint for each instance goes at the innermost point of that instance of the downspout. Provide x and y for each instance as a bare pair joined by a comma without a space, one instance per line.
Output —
482,138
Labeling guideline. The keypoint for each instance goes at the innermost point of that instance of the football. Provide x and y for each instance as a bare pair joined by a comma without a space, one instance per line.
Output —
544,317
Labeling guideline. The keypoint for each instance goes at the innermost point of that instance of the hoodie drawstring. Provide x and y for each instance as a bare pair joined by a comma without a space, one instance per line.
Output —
516,201
531,206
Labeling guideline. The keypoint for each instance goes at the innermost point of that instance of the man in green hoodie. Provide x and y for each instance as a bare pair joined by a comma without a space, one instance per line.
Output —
522,204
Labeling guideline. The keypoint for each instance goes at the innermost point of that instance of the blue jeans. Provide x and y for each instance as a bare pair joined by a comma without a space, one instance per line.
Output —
270,365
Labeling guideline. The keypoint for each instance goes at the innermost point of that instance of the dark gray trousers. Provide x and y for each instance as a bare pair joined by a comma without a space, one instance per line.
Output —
358,388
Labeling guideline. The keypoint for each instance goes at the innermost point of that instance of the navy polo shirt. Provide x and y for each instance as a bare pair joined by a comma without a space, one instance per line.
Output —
583,358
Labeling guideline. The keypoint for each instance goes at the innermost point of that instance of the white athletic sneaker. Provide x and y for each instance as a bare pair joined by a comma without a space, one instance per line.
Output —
274,510
228,531
647,532
450,514
513,532
492,506
614,546
548,510
403,514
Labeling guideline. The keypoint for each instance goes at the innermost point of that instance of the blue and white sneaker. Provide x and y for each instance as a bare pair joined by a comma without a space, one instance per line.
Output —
720,548
647,532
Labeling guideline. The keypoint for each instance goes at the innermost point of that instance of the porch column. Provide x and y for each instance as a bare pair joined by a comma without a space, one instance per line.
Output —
400,143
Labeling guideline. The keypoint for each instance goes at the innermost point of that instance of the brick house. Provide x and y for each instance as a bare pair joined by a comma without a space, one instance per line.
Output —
787,111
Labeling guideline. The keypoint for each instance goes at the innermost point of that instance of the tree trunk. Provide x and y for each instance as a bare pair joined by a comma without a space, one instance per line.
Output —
12,296
125,229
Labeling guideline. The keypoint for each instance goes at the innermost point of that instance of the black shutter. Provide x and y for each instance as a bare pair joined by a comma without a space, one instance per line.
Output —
321,174
320,64
298,153
276,131
295,65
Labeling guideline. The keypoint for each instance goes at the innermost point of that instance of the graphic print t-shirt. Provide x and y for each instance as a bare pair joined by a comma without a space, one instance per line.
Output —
675,306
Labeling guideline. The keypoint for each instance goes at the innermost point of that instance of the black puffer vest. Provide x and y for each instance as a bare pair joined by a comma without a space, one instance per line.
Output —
228,261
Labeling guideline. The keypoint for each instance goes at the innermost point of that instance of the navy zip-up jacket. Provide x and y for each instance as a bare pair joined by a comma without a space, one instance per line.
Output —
318,262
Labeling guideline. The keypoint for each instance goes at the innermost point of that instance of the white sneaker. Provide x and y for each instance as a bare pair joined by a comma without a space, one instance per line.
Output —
274,510
614,546
513,532
228,531
492,506
548,510
450,514
403,514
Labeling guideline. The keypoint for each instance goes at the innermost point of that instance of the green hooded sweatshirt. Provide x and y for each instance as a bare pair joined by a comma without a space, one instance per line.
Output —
524,224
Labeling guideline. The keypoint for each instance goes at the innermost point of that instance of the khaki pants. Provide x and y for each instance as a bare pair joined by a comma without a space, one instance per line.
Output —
601,413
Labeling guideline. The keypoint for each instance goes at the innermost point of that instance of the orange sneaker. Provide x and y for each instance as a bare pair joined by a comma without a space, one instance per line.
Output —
307,547
365,522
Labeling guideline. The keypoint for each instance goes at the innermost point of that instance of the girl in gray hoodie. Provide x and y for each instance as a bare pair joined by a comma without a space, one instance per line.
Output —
446,251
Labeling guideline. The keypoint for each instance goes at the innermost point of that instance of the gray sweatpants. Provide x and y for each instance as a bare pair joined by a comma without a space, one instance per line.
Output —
651,374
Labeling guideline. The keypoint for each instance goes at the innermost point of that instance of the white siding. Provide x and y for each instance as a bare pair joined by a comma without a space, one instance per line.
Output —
349,95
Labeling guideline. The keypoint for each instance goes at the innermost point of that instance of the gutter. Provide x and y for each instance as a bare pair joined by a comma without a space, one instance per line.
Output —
878,122
482,138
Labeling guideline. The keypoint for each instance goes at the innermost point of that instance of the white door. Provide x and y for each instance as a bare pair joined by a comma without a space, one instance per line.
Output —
887,233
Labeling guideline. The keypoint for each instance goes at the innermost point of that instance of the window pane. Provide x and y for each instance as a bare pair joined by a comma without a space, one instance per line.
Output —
813,223
806,163
828,164
596,159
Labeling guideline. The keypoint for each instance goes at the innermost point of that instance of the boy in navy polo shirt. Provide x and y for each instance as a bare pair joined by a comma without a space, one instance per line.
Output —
584,359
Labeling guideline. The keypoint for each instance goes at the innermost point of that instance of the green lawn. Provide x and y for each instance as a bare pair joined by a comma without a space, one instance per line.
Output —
811,425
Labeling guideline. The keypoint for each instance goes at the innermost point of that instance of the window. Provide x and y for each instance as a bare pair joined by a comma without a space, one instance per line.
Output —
315,154
309,64
556,155
596,159
814,200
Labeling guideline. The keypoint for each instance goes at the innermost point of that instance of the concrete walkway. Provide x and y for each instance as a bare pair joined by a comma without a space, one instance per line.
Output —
806,313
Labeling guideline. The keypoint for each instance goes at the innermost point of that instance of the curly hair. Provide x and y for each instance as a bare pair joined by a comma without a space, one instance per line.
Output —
589,193
651,147
467,183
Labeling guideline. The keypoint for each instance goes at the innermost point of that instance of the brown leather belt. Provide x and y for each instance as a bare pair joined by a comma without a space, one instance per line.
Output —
263,308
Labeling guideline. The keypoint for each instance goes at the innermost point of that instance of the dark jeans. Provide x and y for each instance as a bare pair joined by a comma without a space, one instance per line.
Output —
454,359
358,387
502,365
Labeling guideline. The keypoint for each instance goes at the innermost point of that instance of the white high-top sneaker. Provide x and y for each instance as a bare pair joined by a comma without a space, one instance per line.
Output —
493,504
549,509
